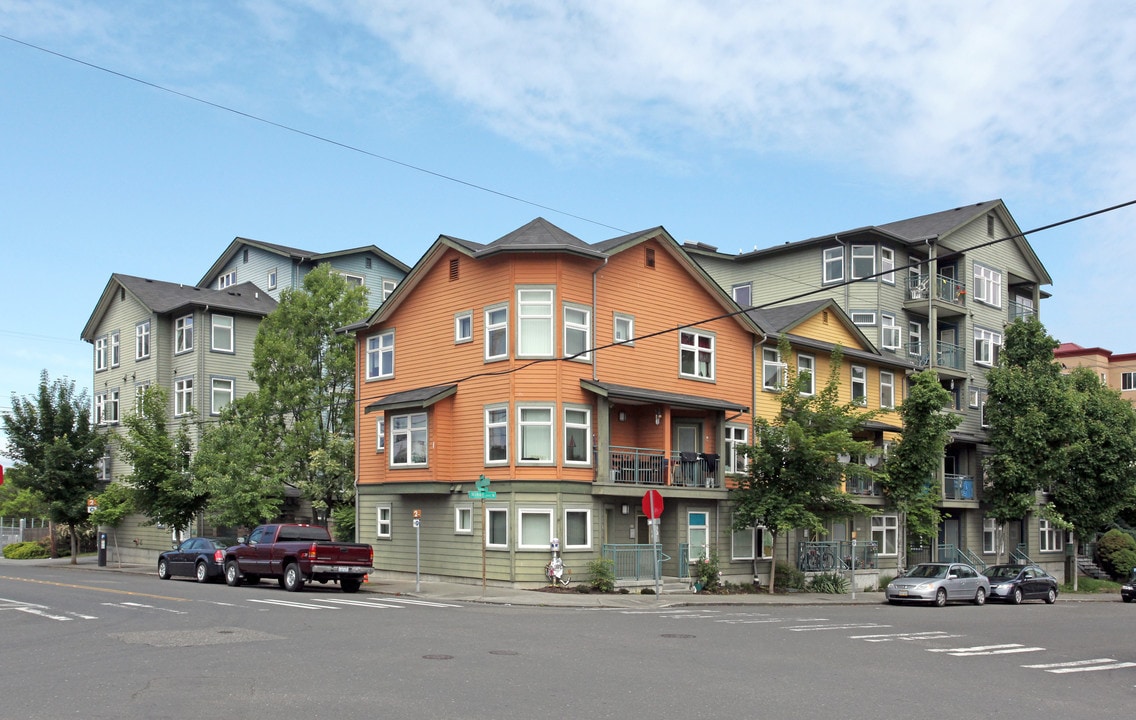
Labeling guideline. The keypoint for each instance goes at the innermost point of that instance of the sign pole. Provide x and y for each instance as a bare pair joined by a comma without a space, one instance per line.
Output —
484,536
655,541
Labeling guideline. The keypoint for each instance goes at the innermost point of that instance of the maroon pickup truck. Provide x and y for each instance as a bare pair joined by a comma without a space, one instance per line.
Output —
296,554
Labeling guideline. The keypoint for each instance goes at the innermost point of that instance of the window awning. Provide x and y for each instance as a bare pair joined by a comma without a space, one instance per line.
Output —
417,398
642,396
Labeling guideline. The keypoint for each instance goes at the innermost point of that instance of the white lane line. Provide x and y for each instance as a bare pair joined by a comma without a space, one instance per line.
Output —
1008,649
1082,666
853,626
142,606
292,604
42,613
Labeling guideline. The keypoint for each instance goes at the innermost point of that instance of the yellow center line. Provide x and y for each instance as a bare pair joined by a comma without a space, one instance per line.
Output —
97,589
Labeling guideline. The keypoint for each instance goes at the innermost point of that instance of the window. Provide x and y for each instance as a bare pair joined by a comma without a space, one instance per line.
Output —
115,354
140,390
806,371
383,521
885,534
272,279
577,332
142,340
863,261
496,435
987,285
1050,536
887,389
1128,381
696,355
890,337
229,278
833,264
772,369
577,432
222,333
222,395
577,529
698,535
380,434
100,408
623,329
916,282
742,295
859,384
463,520
535,529
990,225
534,434
112,406
986,344
100,353
737,437
743,544
353,280
497,333
887,265
367,263
864,318
388,288
183,396
183,334
497,528
915,337
380,355
989,535
534,322
463,327
981,393
408,440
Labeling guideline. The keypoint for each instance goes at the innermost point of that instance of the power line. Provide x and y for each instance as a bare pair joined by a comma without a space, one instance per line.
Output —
312,135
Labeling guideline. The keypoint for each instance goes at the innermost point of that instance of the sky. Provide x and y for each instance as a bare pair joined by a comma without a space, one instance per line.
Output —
141,139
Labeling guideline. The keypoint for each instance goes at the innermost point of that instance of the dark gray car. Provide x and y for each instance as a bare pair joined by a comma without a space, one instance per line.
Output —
939,583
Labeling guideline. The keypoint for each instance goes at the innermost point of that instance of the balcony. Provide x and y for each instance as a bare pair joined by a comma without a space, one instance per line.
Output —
946,293
652,467
948,356
862,487
958,487
1021,311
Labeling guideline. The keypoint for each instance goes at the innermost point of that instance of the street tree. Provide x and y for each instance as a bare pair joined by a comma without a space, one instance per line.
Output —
19,501
916,459
305,371
162,486
52,435
794,476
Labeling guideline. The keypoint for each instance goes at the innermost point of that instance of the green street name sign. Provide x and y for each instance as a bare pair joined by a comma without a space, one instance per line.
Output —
482,494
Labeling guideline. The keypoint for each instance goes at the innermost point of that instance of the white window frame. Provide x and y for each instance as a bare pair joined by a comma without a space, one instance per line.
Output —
502,543
496,418
887,389
497,324
1049,537
772,370
885,534
742,294
833,265
863,318
887,265
739,540
112,406
388,288
353,280
987,285
573,422
989,535
737,437
272,278
542,543
380,434
380,356
891,337
384,523
859,379
115,349
914,339
463,519
694,353
535,322
142,340
227,280
535,424
698,536
101,353
183,334
410,426
463,327
807,364
623,328
860,255
214,390
218,328
1127,381
984,344
183,396
99,408
568,544
580,330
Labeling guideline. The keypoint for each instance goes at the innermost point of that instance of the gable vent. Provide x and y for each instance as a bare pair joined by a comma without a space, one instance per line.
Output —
455,267
650,258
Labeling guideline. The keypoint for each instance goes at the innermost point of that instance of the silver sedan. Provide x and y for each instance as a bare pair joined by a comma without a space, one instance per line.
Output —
939,583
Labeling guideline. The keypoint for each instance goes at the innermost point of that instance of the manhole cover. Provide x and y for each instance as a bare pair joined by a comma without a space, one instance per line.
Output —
438,657
503,652
679,636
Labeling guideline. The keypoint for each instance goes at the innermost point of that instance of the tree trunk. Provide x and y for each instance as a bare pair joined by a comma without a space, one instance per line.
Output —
74,544
51,538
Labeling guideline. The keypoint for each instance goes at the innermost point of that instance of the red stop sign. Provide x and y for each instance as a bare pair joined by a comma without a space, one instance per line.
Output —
652,504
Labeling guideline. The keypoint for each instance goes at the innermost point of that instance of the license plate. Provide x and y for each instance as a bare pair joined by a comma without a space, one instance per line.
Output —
903,593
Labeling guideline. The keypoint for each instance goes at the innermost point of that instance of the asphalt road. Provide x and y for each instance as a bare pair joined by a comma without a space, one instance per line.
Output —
79,644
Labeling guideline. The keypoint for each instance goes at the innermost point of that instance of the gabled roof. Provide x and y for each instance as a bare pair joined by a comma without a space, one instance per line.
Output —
291,253
539,234
649,395
166,297
416,398
941,223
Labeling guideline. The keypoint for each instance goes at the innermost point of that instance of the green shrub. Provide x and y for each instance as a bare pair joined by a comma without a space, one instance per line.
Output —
706,576
788,577
1117,551
602,572
343,523
832,583
884,580
25,551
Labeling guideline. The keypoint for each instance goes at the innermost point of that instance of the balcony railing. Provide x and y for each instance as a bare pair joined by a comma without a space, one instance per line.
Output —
958,487
647,466
862,486
945,288
835,555
947,355
1020,311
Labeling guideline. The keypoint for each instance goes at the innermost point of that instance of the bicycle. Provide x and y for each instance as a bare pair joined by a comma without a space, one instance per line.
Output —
813,560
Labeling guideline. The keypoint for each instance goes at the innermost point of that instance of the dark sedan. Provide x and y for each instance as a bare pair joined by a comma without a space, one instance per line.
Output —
1015,583
1128,589
198,557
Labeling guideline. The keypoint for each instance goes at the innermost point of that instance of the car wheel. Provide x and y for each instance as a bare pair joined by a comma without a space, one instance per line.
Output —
941,597
1016,598
293,580
163,569
1126,598
232,574
980,597
201,572
1051,597
350,585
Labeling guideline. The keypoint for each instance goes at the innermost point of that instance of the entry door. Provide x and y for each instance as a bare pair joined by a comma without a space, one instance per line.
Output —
950,533
688,437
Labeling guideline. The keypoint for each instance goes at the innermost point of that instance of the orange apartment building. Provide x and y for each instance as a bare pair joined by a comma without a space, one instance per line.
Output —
1117,371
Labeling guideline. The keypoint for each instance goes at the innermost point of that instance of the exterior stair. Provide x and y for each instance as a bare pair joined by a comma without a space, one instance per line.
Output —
1087,567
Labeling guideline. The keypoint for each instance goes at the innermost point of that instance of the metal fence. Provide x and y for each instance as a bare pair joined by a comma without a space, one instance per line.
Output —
14,530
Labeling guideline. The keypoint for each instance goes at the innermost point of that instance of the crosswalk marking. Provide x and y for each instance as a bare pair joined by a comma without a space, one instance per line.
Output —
850,626
294,604
1007,649
360,603
929,635
424,603
143,606
1082,666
